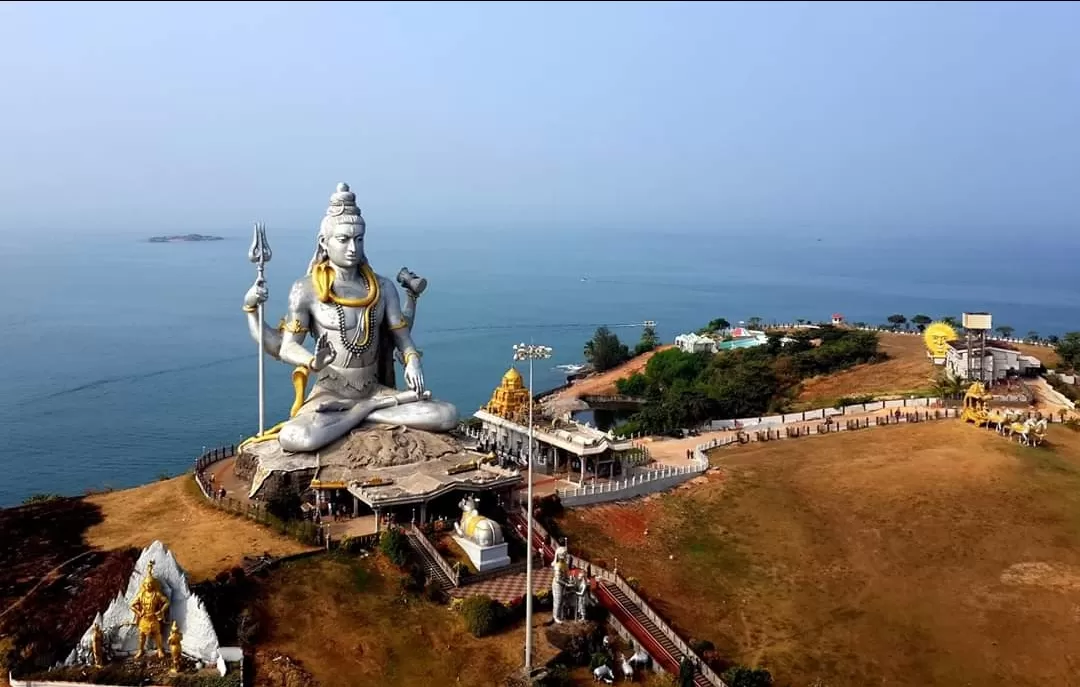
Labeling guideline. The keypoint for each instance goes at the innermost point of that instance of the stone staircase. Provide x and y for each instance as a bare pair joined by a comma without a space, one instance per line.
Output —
432,570
657,643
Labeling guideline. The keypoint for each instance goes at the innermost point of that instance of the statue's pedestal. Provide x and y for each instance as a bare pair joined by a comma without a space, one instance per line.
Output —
484,557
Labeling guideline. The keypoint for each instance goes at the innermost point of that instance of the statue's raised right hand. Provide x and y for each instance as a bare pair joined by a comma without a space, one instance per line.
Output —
256,295
324,354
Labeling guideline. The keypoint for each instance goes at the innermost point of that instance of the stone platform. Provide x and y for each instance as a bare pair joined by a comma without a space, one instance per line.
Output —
484,557
380,465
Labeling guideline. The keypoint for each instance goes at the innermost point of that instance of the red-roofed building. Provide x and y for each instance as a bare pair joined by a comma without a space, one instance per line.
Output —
837,319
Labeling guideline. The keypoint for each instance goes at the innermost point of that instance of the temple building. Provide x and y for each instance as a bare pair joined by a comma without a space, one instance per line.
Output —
558,446
1000,361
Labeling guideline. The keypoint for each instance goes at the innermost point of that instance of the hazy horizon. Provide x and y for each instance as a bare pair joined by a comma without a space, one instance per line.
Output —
837,121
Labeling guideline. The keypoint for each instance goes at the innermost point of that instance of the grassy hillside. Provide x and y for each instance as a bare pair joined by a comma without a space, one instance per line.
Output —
932,554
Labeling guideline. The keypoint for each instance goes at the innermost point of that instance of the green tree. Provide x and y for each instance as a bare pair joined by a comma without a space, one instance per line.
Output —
1068,349
648,341
635,385
921,321
1053,339
605,351
754,323
1032,336
951,321
1005,330
719,324
393,545
897,321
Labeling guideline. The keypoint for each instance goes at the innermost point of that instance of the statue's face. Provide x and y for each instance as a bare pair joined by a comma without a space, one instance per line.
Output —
344,245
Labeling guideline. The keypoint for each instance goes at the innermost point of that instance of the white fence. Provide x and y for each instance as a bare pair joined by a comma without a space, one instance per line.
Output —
909,332
641,483
818,414
774,432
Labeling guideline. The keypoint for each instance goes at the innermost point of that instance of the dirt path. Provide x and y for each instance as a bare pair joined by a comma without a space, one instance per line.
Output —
602,384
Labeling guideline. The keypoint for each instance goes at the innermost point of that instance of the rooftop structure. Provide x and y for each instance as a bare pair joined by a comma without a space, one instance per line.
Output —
503,428
990,362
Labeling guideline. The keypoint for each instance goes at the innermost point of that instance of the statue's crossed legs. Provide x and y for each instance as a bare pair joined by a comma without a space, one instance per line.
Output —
326,417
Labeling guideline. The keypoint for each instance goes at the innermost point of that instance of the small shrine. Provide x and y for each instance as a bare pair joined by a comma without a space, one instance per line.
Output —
154,628
510,400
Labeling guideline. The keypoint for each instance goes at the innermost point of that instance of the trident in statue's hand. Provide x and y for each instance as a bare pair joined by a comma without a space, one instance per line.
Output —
260,254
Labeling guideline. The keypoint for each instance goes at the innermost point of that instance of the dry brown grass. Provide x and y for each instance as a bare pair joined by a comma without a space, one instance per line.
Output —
907,371
930,554
344,620
204,540
1048,356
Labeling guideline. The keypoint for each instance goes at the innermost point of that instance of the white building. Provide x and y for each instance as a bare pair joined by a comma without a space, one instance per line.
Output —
695,343
1001,359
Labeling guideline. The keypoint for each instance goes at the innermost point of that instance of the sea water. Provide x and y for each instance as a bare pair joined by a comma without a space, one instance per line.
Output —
120,360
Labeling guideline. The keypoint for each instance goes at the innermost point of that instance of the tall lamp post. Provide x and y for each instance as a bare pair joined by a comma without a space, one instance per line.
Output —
529,352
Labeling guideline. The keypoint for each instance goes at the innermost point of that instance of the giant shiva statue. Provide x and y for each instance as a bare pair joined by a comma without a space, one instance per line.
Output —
357,322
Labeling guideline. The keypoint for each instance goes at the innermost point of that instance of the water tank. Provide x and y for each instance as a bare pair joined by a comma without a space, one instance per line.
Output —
977,321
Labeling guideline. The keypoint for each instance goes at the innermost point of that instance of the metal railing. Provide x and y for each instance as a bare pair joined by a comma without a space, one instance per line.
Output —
614,578
420,537
634,482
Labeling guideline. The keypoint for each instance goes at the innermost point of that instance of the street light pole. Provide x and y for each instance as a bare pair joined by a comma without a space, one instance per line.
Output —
529,352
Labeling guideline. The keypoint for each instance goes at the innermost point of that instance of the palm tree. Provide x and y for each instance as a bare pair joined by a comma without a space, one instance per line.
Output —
948,386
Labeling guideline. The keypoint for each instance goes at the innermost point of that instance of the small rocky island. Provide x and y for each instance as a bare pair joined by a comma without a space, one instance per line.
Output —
184,238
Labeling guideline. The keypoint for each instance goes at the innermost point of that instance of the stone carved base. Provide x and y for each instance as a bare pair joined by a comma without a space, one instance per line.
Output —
484,558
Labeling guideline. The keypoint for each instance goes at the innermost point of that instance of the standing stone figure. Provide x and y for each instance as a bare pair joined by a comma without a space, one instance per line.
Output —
150,608
97,646
356,319
581,590
174,647
558,583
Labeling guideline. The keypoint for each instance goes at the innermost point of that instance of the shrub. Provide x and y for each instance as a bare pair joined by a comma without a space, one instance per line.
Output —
558,676
482,615
392,544
702,646
40,498
598,659
741,676
414,579
434,593
853,400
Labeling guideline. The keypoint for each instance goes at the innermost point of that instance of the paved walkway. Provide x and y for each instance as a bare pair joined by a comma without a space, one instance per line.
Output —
506,588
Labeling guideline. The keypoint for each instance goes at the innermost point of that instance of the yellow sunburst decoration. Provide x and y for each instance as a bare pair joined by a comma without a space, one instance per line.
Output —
937,337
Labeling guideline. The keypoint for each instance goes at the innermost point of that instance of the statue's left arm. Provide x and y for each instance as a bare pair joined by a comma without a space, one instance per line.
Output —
399,328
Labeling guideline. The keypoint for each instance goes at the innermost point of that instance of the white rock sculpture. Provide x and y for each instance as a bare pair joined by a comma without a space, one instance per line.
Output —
200,641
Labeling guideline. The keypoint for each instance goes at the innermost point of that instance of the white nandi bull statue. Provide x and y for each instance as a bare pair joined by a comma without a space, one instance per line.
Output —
476,528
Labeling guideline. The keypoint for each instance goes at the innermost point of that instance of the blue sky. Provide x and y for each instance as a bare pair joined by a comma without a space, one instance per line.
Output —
841,119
